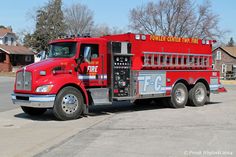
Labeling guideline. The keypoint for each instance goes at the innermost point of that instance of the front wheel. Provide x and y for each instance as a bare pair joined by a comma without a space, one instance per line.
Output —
68,104
179,96
33,111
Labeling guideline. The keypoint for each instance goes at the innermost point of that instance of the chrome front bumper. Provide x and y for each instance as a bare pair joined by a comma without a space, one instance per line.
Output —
36,101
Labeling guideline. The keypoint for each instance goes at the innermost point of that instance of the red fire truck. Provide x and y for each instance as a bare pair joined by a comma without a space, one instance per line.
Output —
84,71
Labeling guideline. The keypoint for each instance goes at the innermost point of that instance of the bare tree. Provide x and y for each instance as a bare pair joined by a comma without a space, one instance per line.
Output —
79,19
181,18
103,29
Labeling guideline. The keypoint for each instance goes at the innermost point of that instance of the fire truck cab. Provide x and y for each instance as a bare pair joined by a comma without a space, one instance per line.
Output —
84,71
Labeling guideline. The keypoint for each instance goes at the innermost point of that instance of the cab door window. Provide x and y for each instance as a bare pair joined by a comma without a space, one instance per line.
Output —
94,50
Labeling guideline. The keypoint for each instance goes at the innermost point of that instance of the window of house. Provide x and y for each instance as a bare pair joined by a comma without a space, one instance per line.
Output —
2,57
213,66
6,40
12,41
223,68
28,58
94,50
218,55
234,70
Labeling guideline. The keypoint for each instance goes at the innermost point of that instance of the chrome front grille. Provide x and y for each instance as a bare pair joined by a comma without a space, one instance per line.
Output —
24,81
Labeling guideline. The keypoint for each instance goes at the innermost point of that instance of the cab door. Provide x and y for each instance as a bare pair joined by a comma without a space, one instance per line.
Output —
92,73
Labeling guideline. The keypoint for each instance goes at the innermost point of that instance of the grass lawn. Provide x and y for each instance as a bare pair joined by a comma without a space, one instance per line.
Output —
9,74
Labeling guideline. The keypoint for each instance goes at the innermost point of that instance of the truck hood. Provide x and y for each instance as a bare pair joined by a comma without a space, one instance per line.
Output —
49,64
46,71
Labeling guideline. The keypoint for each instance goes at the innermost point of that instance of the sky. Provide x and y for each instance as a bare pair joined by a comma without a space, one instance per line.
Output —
113,13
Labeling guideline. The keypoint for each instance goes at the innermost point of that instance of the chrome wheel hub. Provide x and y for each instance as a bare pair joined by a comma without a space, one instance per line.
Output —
180,96
69,103
199,94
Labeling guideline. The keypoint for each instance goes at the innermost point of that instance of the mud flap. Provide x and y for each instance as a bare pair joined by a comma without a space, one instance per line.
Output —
222,89
85,110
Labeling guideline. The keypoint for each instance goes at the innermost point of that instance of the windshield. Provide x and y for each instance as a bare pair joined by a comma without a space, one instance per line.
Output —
62,50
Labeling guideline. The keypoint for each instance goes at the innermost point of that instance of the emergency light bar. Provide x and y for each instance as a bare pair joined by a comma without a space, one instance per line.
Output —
67,36
207,42
140,37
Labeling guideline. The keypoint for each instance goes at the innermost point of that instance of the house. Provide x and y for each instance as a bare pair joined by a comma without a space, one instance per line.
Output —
13,55
224,60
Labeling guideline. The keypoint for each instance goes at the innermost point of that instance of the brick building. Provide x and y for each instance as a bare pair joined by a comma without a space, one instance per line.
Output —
12,55
224,60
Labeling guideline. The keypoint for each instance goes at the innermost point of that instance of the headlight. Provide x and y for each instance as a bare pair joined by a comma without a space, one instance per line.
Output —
44,89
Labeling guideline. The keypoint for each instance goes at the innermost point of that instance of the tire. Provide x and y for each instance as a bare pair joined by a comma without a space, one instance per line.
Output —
68,104
33,111
208,99
198,95
179,96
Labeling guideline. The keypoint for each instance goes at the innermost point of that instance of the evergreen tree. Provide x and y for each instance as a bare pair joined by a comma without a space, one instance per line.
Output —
49,25
1,26
231,42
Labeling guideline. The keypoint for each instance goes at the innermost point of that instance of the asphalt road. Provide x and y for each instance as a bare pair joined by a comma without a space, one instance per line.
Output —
122,130
6,88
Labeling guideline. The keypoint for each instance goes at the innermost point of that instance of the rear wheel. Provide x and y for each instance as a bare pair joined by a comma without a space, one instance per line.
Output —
33,111
68,104
198,95
179,96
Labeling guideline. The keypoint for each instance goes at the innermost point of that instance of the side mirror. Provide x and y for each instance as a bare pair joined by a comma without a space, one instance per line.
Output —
43,55
87,54
39,55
